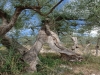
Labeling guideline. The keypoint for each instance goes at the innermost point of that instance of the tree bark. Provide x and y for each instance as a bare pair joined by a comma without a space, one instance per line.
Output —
46,36
31,56
86,50
74,39
55,44
97,46
11,43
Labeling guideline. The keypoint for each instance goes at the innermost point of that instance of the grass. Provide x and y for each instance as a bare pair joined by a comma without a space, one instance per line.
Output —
10,62
51,64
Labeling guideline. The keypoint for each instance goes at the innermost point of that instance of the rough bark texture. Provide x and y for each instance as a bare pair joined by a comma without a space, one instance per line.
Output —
11,43
74,39
46,35
86,50
31,56
55,43
97,46
7,25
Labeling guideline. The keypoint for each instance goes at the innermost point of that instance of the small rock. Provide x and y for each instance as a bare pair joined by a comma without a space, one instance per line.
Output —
93,74
64,66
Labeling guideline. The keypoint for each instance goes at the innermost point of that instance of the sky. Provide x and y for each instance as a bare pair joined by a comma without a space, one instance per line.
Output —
94,33
36,21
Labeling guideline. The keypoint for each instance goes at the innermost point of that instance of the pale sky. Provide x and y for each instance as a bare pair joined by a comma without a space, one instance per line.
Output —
34,19
94,33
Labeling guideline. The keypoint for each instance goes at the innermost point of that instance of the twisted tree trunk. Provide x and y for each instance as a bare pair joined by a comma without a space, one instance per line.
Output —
31,56
46,35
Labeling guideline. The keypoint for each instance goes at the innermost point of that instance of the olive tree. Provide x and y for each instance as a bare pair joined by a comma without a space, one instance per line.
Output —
14,15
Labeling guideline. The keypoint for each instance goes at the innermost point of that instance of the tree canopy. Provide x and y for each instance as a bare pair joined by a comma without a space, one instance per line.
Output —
10,10
60,16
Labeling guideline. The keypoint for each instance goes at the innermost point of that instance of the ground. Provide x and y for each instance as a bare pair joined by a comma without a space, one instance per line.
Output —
89,66
52,64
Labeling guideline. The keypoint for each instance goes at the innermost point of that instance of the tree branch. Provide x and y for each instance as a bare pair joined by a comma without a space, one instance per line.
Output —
50,10
3,16
15,16
38,2
5,28
37,8
54,6
66,18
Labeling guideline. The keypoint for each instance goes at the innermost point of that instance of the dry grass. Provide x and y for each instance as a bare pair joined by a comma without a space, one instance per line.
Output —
2,48
90,65
52,64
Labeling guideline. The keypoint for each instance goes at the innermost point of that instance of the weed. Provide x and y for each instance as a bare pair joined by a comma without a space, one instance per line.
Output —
11,63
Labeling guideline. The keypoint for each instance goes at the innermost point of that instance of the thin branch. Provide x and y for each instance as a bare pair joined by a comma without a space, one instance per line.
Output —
98,18
15,16
54,6
5,28
67,18
37,8
48,2
38,2
50,10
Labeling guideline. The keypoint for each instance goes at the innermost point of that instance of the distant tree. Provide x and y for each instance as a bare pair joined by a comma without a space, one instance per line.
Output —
89,11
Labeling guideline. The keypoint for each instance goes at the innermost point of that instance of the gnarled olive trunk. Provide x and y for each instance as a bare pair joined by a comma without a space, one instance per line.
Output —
31,57
45,36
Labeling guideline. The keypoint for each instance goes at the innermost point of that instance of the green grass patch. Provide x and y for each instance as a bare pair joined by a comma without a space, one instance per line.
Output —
51,64
10,62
